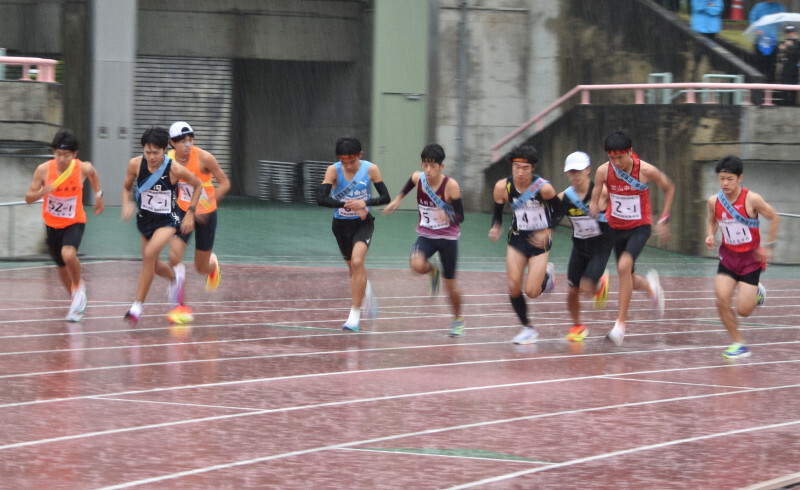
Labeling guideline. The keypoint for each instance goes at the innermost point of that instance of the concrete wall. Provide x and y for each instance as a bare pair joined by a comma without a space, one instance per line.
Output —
22,230
512,74
32,114
31,28
254,29
684,141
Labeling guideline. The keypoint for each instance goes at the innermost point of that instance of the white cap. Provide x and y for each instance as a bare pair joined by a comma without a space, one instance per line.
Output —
179,128
576,161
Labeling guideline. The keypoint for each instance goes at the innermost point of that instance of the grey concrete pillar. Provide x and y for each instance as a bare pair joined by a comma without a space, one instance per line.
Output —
113,66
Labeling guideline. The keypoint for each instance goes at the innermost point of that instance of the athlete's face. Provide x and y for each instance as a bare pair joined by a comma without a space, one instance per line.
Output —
350,163
432,170
623,161
522,173
578,177
64,157
729,183
183,148
153,154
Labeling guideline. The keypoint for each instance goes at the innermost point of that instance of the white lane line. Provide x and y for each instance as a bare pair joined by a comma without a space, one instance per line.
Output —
473,426
623,452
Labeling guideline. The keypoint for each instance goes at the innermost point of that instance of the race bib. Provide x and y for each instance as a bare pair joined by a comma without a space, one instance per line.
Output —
62,207
433,218
159,202
626,207
531,218
585,227
734,232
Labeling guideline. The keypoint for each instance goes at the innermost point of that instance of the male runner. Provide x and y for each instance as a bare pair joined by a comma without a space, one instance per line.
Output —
60,182
735,211
440,215
346,188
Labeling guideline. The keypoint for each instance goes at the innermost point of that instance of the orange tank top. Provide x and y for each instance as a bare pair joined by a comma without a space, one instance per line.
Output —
208,200
64,206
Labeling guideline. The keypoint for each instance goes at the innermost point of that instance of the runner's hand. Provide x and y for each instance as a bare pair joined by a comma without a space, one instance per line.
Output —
494,233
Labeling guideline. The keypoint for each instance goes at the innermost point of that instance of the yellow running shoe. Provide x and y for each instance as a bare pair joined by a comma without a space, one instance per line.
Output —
181,315
577,333
212,280
601,298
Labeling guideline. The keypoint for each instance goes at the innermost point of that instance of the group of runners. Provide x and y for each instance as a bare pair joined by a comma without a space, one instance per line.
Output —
174,196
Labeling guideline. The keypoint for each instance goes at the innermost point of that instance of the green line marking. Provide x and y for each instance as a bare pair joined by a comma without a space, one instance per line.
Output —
460,453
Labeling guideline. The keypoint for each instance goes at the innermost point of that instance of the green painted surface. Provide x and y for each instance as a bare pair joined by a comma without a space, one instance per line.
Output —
259,232
459,453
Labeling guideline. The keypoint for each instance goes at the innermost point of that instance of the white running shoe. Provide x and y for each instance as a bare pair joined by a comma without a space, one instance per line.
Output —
761,295
616,334
73,316
370,303
78,305
551,278
134,314
527,335
657,299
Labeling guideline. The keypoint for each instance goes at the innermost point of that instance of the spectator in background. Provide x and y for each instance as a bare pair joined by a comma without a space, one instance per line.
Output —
789,54
707,17
766,38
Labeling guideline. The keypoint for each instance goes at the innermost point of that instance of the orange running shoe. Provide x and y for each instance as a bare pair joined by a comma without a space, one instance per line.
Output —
212,280
181,315
577,333
601,298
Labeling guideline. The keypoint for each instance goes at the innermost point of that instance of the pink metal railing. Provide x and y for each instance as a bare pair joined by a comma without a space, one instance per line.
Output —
47,68
639,90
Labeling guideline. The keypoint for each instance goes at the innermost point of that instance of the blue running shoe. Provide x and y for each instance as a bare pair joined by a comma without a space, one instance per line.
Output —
350,328
457,327
736,350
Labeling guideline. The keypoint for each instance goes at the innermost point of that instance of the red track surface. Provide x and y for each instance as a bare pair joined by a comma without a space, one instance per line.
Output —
264,390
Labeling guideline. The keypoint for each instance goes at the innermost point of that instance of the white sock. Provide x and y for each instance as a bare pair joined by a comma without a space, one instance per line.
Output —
354,318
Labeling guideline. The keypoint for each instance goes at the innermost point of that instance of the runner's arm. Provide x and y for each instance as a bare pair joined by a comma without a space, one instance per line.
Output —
599,184
383,195
500,197
767,211
665,183
211,165
453,193
392,207
37,190
128,206
89,171
324,197
554,203
711,224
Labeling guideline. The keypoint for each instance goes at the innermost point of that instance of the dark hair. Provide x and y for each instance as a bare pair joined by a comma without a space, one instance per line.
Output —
433,153
65,140
618,140
527,152
156,136
181,137
730,164
347,145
